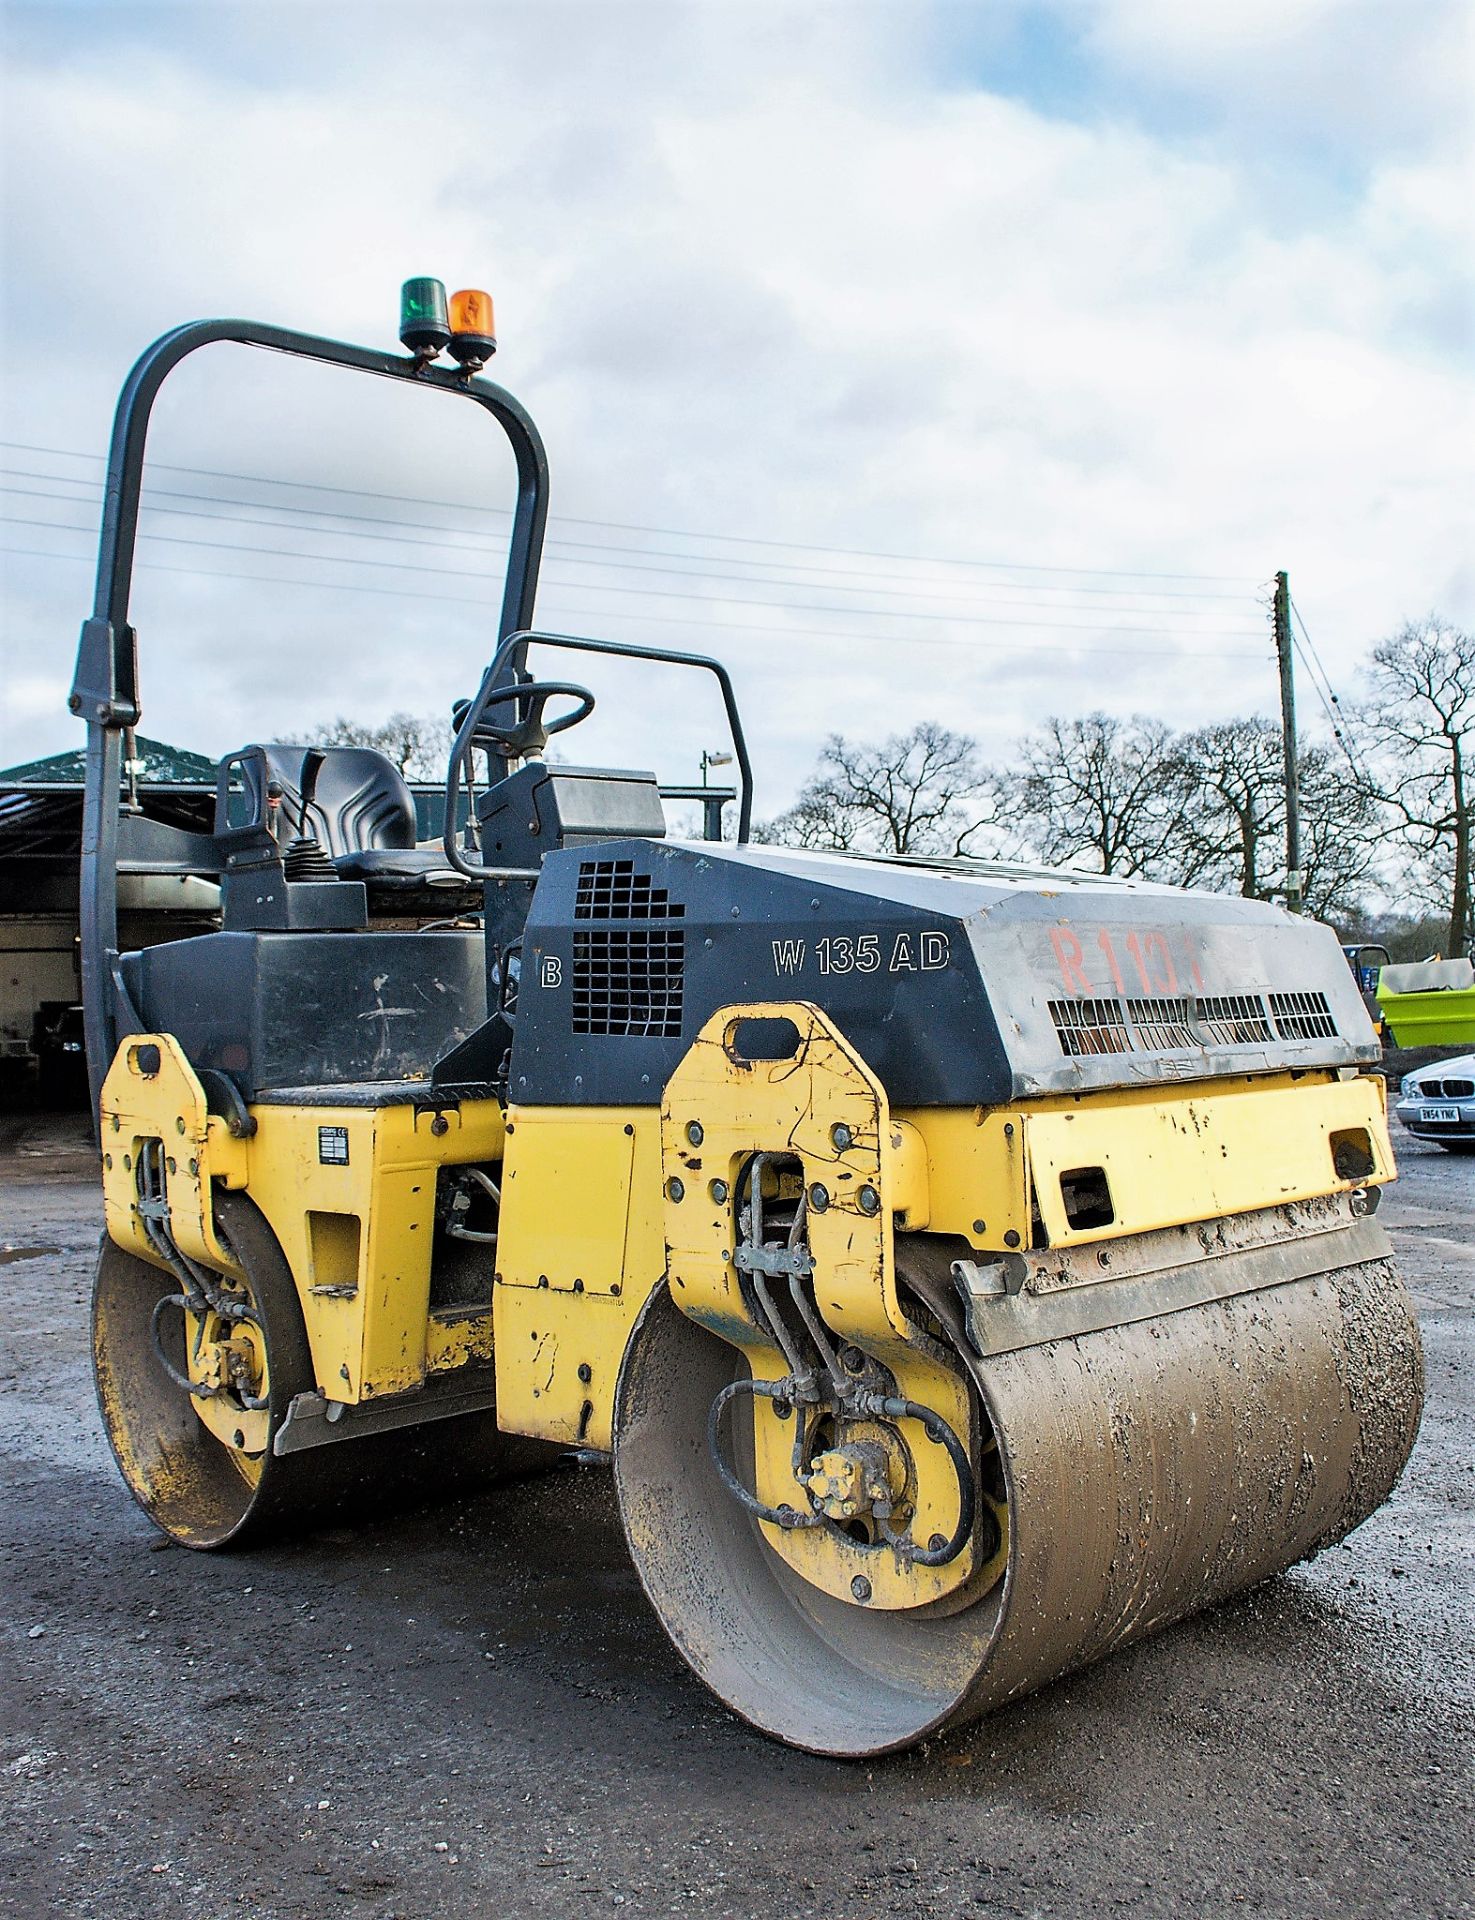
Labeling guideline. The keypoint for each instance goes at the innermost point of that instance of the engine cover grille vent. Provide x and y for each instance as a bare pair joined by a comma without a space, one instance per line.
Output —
1234,1019
1161,1023
1302,1016
1090,1026
628,979
1165,1025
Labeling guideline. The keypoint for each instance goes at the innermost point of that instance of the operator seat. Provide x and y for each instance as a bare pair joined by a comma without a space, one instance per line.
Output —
361,812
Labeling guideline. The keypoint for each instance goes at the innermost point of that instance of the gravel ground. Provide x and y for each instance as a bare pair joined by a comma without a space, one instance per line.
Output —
471,1710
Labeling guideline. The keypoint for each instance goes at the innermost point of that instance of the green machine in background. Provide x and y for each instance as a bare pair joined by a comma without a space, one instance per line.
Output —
1430,1003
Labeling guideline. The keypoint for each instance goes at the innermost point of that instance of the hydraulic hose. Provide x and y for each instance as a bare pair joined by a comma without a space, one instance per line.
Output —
787,1517
938,1430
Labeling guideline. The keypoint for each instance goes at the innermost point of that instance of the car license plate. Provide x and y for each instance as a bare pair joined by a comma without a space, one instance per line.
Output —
1432,1114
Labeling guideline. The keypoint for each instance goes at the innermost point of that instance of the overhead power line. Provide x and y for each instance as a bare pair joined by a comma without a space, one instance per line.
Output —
643,592
722,626
1326,693
1316,657
635,559
751,540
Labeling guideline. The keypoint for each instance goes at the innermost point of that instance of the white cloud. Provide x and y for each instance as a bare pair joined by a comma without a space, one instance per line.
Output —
1360,71
757,271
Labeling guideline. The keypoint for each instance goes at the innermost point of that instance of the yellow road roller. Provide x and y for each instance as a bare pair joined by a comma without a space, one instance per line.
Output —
968,1268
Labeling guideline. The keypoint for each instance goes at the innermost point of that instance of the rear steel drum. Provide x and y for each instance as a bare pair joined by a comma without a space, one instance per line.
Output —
203,1490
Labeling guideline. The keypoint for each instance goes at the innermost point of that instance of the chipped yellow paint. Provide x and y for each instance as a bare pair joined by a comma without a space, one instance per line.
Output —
356,1235
1171,1156
458,1339
168,1105
977,1173
586,1221
545,1343
580,1250
567,1186
826,1108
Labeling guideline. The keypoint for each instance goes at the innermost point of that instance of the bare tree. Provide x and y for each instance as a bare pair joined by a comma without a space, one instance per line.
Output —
818,819
418,744
1236,817
1406,936
1110,794
919,792
1341,829
1420,723
1234,822
1127,797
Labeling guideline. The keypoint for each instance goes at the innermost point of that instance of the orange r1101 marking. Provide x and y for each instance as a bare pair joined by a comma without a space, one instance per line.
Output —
1103,940
1151,957
1141,947
1072,958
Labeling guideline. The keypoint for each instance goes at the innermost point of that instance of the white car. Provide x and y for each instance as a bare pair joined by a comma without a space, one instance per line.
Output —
1437,1103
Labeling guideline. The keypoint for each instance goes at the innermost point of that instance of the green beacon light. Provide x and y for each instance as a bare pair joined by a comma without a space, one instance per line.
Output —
424,325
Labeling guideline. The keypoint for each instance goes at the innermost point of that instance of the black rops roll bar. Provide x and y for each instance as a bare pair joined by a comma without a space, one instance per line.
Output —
105,688
508,661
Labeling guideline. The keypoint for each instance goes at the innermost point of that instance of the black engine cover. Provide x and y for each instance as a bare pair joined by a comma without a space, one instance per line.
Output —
962,984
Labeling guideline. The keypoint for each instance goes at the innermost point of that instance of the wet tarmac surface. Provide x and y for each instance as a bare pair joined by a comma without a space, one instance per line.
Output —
471,1710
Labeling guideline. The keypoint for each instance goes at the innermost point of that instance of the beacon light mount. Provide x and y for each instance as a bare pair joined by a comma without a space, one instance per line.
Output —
463,325
424,322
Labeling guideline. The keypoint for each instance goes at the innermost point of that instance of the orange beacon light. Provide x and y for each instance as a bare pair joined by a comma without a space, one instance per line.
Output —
473,328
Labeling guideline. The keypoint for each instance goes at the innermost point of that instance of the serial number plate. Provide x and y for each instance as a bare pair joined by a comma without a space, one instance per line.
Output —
1439,1113
909,952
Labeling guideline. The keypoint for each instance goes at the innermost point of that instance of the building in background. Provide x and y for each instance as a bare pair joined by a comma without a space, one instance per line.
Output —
40,852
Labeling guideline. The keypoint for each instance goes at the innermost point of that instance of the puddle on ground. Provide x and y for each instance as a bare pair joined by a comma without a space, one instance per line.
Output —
9,1254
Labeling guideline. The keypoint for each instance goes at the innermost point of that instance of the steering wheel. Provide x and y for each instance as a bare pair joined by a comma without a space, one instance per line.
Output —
514,741
532,732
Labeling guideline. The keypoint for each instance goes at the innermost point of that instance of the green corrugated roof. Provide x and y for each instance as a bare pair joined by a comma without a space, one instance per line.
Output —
162,764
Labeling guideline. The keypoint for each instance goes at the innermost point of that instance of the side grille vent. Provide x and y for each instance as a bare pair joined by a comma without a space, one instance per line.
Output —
1161,1023
1302,1016
613,890
1169,1025
628,979
1234,1019
1090,1026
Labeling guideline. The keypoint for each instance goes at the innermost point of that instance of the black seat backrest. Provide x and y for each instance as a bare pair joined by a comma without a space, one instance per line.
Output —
360,801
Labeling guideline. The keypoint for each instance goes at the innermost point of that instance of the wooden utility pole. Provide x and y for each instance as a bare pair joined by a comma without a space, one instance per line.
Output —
1295,880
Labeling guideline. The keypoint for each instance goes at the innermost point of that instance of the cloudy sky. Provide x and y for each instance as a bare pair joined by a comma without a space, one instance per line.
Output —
970,362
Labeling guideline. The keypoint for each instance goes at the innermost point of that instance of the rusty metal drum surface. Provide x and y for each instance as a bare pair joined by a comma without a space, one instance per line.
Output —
1151,1469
